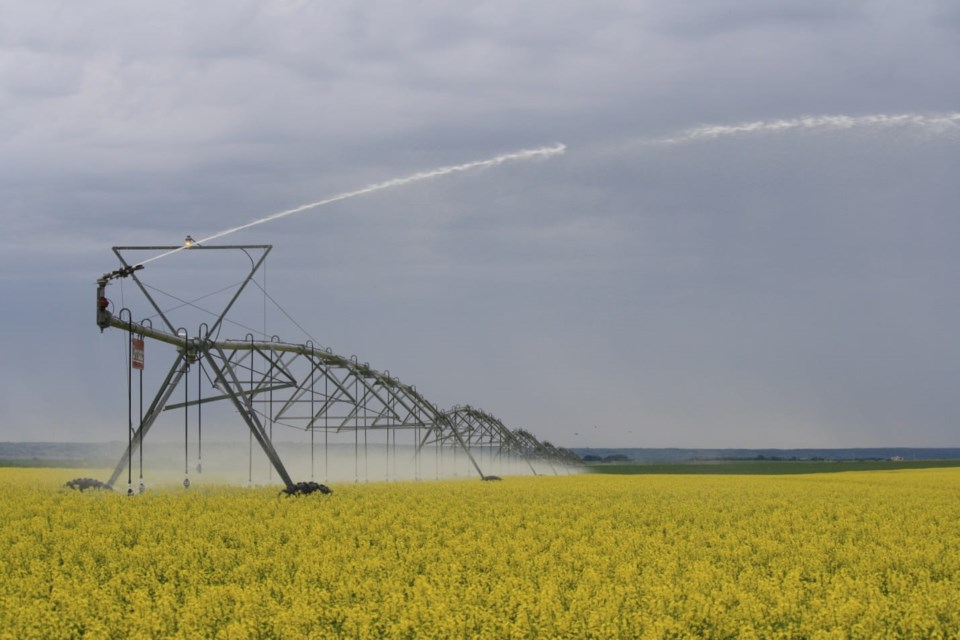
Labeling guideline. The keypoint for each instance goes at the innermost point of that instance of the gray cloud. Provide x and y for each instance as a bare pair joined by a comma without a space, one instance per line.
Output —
787,288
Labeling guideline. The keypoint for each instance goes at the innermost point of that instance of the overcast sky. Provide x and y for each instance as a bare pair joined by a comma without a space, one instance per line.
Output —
790,283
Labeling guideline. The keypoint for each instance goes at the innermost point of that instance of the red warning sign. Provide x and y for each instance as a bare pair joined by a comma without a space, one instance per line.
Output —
136,353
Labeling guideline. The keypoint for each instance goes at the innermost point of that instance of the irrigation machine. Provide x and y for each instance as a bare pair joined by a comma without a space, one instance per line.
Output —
303,386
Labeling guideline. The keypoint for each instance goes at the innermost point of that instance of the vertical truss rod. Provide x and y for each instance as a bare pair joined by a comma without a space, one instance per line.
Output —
170,383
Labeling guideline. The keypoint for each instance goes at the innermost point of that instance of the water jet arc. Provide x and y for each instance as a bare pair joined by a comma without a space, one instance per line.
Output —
526,154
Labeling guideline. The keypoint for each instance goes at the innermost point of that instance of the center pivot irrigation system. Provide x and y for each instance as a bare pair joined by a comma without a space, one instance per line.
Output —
302,386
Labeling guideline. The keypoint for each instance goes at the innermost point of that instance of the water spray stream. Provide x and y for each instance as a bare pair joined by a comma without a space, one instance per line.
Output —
526,154
949,122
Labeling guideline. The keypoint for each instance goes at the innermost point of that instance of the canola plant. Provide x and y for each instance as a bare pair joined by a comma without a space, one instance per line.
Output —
841,555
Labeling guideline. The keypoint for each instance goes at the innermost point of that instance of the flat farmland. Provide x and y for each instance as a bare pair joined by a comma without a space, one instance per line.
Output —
847,555
764,467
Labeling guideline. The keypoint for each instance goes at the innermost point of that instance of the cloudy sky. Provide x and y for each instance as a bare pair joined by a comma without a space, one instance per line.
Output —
744,245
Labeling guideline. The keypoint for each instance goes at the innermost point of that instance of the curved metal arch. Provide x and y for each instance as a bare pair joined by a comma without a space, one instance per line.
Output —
534,448
482,429
299,385
388,402
280,387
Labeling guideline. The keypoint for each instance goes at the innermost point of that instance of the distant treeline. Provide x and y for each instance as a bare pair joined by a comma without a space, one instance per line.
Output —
672,455
763,458
617,457
57,463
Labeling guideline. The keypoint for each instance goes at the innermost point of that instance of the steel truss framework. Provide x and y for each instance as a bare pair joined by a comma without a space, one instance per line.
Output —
306,387
483,432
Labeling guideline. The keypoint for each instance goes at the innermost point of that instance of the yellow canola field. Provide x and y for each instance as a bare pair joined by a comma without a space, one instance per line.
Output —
846,555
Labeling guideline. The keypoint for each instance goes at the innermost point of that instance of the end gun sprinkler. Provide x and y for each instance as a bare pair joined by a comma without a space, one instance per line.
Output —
103,304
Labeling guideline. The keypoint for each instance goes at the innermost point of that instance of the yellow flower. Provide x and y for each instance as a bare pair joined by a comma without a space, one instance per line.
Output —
852,555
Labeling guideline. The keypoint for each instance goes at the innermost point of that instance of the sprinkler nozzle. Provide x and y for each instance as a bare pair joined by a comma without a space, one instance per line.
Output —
122,272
